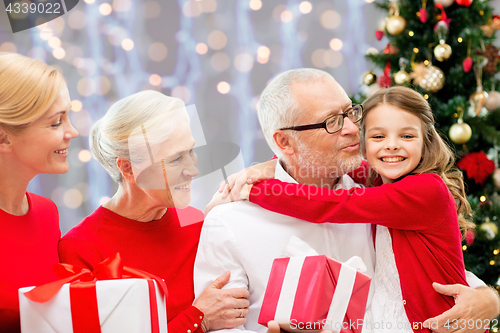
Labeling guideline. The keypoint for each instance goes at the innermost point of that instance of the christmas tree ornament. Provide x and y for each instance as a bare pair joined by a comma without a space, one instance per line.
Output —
467,63
477,166
385,80
442,51
478,98
465,3
469,237
379,34
369,78
460,132
489,229
422,12
396,24
401,77
445,3
430,78
443,20
496,178
491,54
493,101
492,26
390,49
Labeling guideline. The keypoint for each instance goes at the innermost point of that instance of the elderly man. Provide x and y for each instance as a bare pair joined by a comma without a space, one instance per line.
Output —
245,239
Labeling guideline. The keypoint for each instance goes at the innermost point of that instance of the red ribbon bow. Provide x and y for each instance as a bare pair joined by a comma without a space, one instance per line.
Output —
84,312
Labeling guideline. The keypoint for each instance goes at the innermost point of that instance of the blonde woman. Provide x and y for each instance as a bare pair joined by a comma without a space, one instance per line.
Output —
35,134
145,143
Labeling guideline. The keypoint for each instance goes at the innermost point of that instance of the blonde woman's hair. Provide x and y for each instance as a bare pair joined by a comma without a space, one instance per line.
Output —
437,157
122,131
28,88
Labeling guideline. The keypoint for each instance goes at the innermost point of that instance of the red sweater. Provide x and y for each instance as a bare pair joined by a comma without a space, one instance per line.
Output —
28,251
165,247
420,213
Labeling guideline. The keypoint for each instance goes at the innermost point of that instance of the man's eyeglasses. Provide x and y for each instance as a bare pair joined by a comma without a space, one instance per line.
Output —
333,123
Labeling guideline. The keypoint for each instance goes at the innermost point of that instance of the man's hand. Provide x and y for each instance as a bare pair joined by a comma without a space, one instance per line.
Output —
472,312
223,308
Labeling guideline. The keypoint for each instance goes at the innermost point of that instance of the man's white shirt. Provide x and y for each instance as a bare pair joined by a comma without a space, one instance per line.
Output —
245,239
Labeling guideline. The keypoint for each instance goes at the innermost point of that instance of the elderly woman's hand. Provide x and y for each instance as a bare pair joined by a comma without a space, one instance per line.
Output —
223,308
237,181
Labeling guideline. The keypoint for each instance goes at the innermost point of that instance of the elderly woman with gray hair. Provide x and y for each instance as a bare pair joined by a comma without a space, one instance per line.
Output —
145,143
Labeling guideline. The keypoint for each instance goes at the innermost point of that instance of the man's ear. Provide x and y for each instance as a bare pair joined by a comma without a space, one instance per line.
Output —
285,142
5,144
125,168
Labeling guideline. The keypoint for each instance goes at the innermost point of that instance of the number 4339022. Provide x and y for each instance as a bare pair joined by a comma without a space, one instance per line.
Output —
40,8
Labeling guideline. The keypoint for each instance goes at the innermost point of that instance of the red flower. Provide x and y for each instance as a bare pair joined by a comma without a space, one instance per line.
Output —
477,165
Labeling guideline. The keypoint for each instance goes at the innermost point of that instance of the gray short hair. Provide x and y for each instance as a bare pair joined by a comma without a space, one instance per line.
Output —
150,110
278,107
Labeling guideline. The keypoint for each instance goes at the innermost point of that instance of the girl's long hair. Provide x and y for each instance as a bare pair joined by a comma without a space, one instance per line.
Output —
437,157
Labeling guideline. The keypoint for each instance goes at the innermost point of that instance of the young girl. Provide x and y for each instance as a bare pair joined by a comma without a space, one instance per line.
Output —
419,210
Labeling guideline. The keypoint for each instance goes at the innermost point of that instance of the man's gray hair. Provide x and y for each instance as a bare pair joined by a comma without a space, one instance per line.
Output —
278,107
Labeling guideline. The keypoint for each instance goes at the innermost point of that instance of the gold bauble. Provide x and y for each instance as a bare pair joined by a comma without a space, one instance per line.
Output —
395,25
445,3
496,178
442,51
432,80
369,78
493,101
477,100
401,77
489,228
460,132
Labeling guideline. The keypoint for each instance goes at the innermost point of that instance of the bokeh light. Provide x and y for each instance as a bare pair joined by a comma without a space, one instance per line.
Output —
84,155
305,7
263,53
182,93
223,87
243,62
286,16
76,105
105,9
72,198
330,19
157,51
336,44
151,9
122,5
59,53
77,19
155,79
318,58
54,42
217,40
201,48
255,4
127,44
8,47
220,61
192,8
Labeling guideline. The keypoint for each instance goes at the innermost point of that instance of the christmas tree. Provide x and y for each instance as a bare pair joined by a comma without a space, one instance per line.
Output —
444,49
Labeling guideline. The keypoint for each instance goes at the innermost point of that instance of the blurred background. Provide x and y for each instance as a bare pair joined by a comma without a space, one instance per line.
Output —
215,54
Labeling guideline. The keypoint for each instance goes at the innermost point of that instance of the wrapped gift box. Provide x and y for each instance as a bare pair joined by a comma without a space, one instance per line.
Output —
315,292
122,305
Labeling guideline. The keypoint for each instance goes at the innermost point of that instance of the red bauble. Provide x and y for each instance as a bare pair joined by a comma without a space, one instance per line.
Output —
384,80
465,3
423,15
469,237
379,34
477,166
467,64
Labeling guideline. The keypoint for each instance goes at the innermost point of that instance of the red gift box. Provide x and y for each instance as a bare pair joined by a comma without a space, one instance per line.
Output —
83,301
313,293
